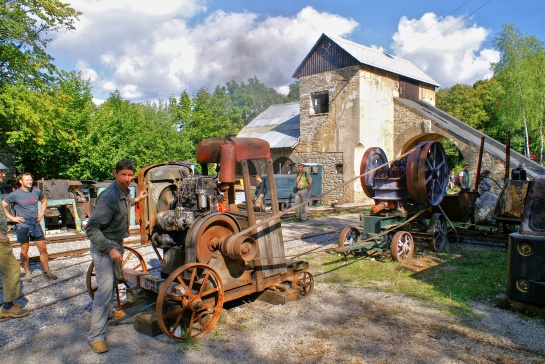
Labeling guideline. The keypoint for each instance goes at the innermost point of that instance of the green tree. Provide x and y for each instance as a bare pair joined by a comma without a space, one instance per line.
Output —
25,26
44,129
209,115
519,71
148,133
253,98
293,94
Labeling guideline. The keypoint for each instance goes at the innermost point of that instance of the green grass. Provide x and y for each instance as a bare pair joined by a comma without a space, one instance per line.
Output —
450,280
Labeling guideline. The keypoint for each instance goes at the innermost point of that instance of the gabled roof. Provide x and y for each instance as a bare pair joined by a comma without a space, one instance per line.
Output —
369,56
278,124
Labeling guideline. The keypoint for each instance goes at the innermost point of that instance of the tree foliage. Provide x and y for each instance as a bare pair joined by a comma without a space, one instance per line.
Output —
44,129
253,98
520,72
24,29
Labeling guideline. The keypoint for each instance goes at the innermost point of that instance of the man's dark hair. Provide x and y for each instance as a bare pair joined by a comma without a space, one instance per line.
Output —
25,174
125,164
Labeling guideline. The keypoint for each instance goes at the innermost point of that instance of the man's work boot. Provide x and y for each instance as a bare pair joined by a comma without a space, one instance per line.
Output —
14,312
49,275
99,347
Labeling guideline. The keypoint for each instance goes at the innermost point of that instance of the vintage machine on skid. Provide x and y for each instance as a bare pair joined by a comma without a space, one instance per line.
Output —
210,256
526,259
402,191
67,204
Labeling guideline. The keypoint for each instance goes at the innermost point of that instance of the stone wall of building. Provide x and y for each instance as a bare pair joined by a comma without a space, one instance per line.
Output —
360,116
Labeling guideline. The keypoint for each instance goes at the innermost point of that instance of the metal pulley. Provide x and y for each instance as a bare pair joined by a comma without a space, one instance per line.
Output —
422,176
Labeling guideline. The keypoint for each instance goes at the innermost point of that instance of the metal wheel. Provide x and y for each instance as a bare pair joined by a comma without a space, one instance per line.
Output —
348,237
189,302
433,173
132,260
427,173
402,247
438,227
412,172
303,282
373,158
213,227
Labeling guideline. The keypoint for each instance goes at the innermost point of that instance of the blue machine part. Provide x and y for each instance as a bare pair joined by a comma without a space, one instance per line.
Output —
285,183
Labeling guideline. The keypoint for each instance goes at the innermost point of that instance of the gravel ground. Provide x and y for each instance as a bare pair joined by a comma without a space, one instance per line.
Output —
337,323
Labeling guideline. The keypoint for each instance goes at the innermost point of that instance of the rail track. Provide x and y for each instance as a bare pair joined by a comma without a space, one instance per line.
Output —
80,255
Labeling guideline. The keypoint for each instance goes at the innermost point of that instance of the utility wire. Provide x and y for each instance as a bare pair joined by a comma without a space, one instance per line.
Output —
463,19
431,26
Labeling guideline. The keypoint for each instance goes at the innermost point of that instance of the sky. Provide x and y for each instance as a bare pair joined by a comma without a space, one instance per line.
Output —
152,50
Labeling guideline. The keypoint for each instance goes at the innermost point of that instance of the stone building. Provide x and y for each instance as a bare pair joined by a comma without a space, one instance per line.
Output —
352,98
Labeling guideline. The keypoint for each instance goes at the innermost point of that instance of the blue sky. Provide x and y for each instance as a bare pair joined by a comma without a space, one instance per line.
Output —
150,50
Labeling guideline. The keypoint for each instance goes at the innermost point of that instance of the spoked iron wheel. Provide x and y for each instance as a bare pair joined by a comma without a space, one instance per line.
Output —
349,236
132,260
438,228
402,247
303,282
189,301
427,173
372,159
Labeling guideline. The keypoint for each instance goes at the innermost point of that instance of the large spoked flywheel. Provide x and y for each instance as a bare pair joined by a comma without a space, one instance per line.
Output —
427,173
372,159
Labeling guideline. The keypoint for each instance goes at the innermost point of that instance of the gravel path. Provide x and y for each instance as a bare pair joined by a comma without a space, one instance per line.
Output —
337,323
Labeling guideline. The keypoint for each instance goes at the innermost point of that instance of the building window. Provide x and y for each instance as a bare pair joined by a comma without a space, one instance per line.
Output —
320,102
339,168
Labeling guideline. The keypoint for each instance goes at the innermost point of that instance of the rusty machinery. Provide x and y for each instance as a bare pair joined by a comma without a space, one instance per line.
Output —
401,190
209,257
67,204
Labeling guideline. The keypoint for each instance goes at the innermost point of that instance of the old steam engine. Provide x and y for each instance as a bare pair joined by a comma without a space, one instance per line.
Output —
210,256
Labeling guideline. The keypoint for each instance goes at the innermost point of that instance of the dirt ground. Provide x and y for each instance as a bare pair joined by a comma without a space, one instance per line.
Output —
335,324
338,323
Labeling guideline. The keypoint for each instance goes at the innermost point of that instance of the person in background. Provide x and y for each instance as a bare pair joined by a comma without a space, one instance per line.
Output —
260,192
450,184
485,184
464,178
303,184
519,173
27,222
11,280
106,229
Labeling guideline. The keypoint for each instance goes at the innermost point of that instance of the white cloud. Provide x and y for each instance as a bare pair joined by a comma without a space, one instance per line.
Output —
447,49
149,52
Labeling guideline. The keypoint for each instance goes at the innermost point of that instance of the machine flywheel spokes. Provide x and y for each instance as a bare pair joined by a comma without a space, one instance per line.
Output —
132,260
189,302
427,173
372,159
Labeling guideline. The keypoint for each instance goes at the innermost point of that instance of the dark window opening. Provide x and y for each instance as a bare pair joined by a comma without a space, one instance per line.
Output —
320,102
339,168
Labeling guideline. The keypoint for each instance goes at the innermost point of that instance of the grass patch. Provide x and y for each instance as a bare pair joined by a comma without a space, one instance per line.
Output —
450,280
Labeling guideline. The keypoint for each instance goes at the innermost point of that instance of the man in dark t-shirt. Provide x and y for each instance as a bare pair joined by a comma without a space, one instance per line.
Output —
27,222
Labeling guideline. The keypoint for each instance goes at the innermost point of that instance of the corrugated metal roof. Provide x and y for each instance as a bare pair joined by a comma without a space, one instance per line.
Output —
379,59
372,57
278,125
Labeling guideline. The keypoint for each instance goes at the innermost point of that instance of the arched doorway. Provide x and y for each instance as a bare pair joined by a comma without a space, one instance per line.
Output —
282,165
